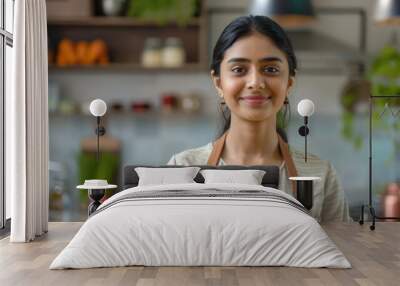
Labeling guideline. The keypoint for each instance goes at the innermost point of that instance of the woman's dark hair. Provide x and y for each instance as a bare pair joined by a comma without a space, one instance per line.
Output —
244,26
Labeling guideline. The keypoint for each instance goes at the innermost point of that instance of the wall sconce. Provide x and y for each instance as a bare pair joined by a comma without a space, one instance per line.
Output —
305,184
98,108
288,13
305,108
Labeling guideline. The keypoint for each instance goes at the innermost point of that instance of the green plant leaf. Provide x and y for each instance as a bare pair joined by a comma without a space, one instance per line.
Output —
163,11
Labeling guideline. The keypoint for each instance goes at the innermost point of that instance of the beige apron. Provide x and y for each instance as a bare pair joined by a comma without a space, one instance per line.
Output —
218,147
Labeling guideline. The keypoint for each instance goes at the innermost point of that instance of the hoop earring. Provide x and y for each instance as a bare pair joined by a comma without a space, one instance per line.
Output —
224,110
285,113
222,100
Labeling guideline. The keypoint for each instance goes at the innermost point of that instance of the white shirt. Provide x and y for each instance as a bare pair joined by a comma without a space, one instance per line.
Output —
329,201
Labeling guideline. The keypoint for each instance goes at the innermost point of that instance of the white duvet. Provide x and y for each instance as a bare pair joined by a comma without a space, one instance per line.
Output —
190,230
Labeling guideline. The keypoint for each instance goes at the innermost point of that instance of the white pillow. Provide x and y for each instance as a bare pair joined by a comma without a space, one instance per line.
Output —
163,176
248,177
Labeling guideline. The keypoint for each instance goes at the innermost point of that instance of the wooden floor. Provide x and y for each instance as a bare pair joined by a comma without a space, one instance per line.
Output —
375,256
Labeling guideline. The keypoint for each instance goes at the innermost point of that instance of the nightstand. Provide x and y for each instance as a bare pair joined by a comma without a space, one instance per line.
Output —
96,189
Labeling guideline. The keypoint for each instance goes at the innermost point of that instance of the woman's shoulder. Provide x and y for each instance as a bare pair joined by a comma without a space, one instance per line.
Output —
194,156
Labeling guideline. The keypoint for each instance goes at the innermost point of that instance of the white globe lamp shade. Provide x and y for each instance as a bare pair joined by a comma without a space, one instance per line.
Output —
305,107
98,107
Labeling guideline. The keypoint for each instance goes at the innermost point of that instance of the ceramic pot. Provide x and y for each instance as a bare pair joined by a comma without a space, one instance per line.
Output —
112,7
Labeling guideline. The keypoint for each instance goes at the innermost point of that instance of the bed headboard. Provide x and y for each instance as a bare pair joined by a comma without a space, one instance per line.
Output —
130,178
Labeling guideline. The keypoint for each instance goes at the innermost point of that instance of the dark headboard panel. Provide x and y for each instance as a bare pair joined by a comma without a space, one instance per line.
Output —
271,178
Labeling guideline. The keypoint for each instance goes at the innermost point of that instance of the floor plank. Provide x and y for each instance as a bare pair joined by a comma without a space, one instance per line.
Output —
374,255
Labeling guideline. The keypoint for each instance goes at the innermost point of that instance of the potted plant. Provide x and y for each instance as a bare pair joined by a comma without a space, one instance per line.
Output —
354,100
163,11
383,79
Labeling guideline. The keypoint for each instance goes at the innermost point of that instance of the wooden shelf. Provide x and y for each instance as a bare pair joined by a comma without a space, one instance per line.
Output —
150,115
126,37
115,22
132,67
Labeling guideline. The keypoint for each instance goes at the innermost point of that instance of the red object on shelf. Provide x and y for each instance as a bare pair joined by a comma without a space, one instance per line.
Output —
169,100
140,106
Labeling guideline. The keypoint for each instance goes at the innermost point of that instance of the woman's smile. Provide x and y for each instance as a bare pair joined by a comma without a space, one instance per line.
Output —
255,100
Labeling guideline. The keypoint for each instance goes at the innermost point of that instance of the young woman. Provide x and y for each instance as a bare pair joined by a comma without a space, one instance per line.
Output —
253,69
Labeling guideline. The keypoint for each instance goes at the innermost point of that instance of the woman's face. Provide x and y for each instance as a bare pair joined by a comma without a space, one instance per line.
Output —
254,78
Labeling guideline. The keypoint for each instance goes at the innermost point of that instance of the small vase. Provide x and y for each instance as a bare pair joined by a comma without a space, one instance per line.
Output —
112,7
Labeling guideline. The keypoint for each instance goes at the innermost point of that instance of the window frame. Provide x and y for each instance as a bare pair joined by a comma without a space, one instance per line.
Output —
6,39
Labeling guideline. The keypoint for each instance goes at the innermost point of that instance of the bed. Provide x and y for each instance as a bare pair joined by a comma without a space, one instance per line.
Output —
201,224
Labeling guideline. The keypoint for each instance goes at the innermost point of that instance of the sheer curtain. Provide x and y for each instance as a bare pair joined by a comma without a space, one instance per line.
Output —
27,124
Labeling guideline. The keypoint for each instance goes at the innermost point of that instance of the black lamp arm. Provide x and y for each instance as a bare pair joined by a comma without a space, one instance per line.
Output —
304,131
100,131
305,137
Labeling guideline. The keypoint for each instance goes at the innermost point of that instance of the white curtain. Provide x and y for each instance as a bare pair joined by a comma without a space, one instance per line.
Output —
27,123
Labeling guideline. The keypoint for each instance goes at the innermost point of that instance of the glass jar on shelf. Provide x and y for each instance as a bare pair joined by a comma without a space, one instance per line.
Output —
173,53
151,55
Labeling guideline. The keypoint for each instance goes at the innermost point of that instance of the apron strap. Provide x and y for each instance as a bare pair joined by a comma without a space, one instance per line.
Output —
218,147
216,152
290,167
